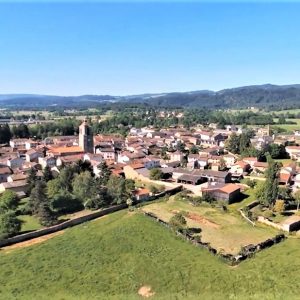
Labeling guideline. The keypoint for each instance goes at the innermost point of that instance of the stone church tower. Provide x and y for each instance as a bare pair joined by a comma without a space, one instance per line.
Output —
86,139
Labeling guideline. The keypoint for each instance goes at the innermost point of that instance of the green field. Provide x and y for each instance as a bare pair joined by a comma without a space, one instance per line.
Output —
288,127
113,257
225,231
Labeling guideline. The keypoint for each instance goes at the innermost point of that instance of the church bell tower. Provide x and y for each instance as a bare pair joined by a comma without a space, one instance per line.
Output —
86,141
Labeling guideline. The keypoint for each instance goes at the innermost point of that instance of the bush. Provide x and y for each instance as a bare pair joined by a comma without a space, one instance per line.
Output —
250,183
9,224
279,206
196,201
208,198
178,222
268,214
156,174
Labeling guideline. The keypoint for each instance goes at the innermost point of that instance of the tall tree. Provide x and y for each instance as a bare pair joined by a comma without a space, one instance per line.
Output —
233,143
31,179
105,173
5,134
47,174
268,191
39,204
66,177
84,187
116,187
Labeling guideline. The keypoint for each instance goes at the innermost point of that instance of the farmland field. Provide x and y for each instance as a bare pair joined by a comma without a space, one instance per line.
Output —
288,127
113,257
225,231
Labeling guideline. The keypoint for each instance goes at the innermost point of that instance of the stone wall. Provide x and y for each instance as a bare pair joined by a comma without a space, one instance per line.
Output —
265,221
61,226
79,220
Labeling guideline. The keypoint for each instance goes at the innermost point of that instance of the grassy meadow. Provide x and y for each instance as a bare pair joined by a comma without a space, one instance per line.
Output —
114,256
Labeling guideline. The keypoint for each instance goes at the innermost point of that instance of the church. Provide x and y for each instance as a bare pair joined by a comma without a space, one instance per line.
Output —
86,139
85,143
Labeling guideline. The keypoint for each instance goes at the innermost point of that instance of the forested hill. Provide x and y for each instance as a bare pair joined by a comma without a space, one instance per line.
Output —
267,96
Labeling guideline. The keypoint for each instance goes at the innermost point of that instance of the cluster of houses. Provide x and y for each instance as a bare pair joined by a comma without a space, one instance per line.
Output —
212,168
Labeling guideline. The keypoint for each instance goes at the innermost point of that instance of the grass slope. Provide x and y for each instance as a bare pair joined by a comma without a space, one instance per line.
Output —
112,257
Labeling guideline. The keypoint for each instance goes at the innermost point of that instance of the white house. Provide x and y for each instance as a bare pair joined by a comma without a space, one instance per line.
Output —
47,161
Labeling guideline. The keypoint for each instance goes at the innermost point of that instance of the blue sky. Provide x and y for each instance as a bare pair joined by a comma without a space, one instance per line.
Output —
127,48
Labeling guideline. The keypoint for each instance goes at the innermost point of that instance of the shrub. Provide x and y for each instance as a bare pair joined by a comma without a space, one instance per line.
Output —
178,222
279,206
268,213
9,224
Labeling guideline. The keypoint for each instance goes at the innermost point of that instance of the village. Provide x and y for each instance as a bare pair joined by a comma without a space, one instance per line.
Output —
198,160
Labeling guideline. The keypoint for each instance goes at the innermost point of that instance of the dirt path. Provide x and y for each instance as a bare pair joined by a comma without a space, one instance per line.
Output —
32,241
201,220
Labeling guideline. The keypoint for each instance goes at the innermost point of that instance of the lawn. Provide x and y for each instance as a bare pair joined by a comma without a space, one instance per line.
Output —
225,231
29,223
112,257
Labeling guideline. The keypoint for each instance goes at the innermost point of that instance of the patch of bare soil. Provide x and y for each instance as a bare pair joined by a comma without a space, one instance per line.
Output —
145,291
33,241
201,220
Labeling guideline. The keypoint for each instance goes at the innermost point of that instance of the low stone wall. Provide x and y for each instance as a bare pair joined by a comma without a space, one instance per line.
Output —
246,251
79,220
61,226
265,221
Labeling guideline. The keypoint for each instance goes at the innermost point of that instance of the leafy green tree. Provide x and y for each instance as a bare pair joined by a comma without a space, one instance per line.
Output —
45,215
5,134
39,205
194,150
130,186
84,187
276,151
297,198
66,177
222,165
267,193
244,142
178,222
103,199
83,166
8,201
281,120
47,174
64,202
9,224
31,179
233,143
284,193
153,189
105,173
54,187
180,146
156,174
184,162
116,187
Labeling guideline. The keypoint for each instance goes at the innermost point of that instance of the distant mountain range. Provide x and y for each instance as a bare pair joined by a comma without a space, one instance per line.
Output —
264,96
